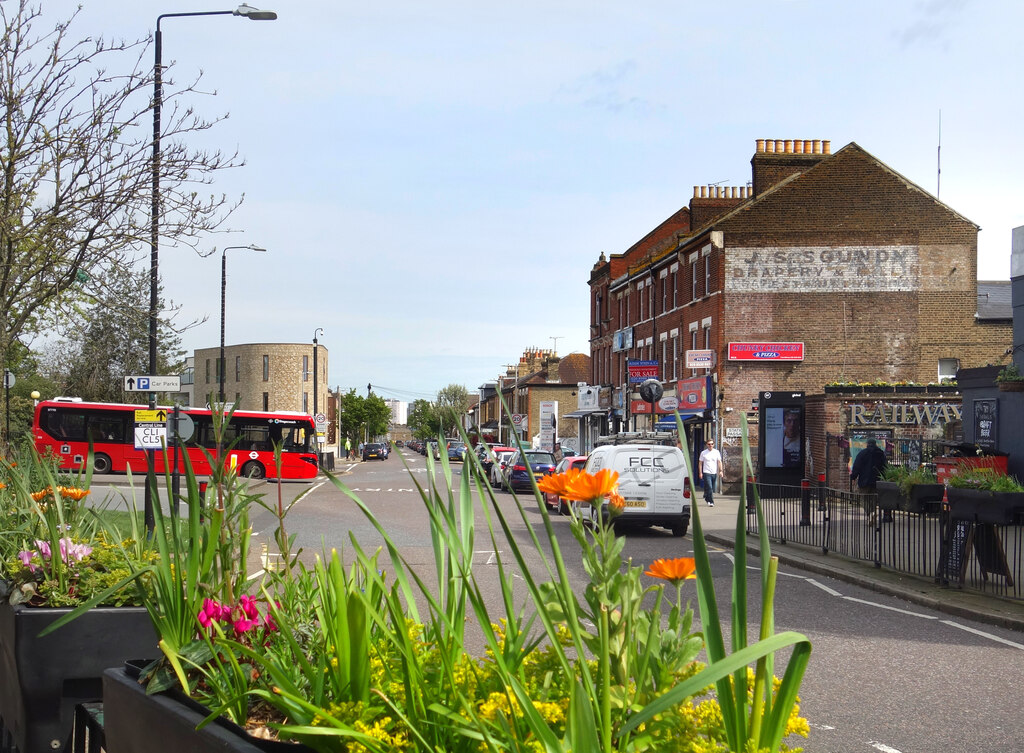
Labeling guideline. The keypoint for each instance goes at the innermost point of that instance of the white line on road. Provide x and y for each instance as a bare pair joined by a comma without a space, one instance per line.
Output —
823,587
891,609
882,747
982,633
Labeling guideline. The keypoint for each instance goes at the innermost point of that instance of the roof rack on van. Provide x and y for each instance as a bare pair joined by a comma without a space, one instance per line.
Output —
637,437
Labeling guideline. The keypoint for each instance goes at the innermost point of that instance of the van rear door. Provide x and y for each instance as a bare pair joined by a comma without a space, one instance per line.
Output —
670,480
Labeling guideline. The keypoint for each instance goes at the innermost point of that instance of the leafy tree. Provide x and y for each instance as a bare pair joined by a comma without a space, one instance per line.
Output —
22,363
377,416
351,417
452,404
111,339
423,419
76,165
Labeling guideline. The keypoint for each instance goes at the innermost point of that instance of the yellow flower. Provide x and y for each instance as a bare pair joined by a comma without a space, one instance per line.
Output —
675,571
591,487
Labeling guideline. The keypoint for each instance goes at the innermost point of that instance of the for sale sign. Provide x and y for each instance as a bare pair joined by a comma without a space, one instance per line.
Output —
641,371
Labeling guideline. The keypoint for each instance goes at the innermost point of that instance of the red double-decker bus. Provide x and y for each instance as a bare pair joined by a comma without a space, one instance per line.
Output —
64,427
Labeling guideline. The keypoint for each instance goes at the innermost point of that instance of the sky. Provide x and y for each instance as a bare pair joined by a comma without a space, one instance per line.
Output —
433,182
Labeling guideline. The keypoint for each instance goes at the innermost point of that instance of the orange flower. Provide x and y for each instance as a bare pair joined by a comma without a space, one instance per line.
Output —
557,483
675,571
616,504
592,487
68,492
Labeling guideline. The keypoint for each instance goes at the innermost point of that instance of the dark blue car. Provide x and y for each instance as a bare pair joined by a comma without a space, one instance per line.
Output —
542,463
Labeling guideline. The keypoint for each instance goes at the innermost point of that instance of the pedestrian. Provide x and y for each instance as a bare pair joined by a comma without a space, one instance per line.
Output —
867,468
361,448
709,467
348,448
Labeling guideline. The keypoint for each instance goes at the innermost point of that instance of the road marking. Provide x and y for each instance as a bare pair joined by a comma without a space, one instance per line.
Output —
823,587
891,609
982,633
882,747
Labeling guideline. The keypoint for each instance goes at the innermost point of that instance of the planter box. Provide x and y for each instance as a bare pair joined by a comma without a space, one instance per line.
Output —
1011,386
923,498
43,679
998,508
138,723
842,389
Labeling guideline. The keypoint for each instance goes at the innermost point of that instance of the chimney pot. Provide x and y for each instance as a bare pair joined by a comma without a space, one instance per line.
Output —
817,146
808,146
703,192
760,145
826,147
798,147
788,146
696,191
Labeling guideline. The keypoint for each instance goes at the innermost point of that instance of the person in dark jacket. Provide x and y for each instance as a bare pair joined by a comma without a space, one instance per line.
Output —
868,466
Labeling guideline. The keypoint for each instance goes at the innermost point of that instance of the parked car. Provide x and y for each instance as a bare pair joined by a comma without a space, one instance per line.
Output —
517,472
487,454
375,450
496,468
652,480
553,501
457,451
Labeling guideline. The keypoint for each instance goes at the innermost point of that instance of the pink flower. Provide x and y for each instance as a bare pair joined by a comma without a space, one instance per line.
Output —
26,559
244,625
248,606
44,548
212,612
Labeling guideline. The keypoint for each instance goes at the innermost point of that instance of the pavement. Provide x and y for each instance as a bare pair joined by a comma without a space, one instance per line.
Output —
719,524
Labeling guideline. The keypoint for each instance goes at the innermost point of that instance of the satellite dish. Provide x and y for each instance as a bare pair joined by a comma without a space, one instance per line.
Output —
651,390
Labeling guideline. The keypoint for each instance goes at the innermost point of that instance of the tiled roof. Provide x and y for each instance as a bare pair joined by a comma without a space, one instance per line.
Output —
994,300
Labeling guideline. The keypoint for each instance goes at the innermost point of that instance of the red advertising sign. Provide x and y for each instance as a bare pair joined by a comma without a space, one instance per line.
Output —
766,351
694,394
637,407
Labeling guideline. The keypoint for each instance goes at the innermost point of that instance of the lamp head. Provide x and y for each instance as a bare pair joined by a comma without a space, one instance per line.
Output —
254,14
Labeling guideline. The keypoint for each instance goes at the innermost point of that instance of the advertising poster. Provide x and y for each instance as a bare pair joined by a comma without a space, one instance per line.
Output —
783,437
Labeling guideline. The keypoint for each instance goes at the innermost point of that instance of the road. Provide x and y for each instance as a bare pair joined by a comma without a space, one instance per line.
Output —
885,675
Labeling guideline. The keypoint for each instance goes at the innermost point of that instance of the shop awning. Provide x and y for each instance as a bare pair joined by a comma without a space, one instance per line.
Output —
585,412
668,423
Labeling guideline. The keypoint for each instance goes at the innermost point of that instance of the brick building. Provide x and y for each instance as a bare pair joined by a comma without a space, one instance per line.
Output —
539,375
264,376
871,276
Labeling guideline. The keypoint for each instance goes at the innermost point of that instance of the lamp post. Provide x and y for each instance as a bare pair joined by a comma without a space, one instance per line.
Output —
315,372
223,291
244,11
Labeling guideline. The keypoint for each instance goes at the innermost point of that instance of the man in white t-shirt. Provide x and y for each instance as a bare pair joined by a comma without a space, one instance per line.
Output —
709,466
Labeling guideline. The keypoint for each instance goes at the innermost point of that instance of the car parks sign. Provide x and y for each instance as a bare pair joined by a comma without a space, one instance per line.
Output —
152,383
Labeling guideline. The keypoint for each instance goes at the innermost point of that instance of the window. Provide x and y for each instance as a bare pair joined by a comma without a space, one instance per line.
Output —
238,368
693,275
664,356
707,275
305,371
675,357
664,293
948,368
597,310
707,337
266,368
305,402
675,287
266,401
207,370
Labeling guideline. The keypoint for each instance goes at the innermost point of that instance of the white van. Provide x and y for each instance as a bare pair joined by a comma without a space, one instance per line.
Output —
653,479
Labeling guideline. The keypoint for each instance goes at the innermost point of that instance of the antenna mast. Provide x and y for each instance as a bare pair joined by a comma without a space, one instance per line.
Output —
938,179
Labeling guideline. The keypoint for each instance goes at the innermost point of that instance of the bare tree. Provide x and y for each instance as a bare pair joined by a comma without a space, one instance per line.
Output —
76,166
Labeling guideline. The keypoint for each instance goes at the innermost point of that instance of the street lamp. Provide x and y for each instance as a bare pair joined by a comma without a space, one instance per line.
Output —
223,290
244,11
315,372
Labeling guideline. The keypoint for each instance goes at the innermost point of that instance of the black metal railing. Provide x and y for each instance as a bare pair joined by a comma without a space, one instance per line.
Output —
928,544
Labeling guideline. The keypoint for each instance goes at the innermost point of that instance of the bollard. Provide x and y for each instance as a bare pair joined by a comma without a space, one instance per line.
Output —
805,502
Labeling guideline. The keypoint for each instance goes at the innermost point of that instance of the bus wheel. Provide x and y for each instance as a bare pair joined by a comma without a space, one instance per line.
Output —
100,463
253,469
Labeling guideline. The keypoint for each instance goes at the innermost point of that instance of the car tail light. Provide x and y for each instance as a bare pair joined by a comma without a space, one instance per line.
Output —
686,492
519,468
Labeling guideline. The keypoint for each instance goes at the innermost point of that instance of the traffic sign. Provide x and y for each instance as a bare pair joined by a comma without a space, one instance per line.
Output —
150,436
152,383
186,426
8,379
150,416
